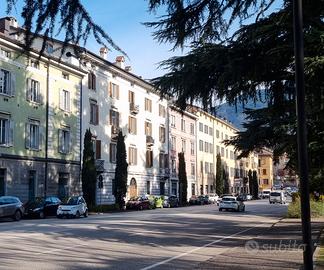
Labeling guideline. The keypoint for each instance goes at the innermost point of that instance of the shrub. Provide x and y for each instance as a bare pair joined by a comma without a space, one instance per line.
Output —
316,207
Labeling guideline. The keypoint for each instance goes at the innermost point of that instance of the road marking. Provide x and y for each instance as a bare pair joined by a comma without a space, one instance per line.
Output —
198,248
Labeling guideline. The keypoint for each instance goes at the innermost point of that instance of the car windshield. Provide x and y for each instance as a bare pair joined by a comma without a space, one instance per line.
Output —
72,201
266,192
227,199
275,194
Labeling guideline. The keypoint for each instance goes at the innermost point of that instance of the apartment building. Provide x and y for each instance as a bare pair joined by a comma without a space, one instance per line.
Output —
265,169
183,139
39,121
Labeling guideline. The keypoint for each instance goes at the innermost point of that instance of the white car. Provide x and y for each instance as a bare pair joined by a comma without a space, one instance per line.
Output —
231,203
76,206
212,198
265,193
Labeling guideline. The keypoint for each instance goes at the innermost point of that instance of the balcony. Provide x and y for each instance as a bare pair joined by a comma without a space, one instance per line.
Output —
134,109
149,140
100,165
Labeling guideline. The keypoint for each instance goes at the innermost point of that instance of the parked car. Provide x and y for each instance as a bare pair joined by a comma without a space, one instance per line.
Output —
138,203
244,197
11,206
41,207
203,199
213,198
193,200
277,197
158,201
171,201
231,203
265,193
76,206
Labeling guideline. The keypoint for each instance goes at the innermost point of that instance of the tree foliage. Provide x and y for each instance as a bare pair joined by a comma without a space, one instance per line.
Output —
250,179
121,170
89,174
219,175
226,182
254,63
183,182
41,17
255,185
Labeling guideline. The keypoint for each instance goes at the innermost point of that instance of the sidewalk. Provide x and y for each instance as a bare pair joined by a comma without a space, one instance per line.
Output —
278,247
319,253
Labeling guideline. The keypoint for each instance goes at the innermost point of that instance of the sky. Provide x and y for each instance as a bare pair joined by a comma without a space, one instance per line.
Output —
122,20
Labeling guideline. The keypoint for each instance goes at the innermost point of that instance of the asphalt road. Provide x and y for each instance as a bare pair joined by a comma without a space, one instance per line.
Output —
178,238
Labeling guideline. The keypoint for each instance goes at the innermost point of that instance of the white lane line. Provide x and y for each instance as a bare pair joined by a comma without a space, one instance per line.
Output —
198,248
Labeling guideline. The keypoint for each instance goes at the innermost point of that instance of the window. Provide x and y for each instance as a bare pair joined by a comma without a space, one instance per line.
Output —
231,155
193,189
49,48
112,152
217,133
65,76
64,140
206,167
148,187
211,167
222,151
173,143
173,166
226,137
114,90
193,169
266,181
161,160
33,135
206,147
96,148
148,128
33,91
6,82
65,100
201,145
132,125
201,189
211,189
131,97
162,134
206,188
94,112
206,129
6,53
63,185
201,127
6,130
34,64
183,125
192,148
210,131
217,149
148,105
201,166
211,148
226,153
162,110
162,187
173,121
192,129
91,81
264,171
183,143
174,188
114,118
132,156
149,158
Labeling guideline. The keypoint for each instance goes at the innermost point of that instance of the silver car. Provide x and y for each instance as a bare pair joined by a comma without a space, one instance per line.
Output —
11,207
231,203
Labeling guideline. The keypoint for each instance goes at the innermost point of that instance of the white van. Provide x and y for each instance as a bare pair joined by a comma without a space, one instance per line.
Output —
265,193
277,197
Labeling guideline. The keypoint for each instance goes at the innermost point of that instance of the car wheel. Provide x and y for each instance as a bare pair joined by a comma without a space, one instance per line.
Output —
85,213
77,214
17,215
41,215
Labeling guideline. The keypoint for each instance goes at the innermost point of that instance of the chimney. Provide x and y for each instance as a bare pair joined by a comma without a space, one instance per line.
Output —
120,61
128,68
6,23
103,52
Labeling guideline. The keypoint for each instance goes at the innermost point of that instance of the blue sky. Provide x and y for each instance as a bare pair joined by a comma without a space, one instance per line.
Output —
122,19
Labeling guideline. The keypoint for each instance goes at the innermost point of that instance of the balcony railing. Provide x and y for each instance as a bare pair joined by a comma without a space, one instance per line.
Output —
149,140
100,165
134,109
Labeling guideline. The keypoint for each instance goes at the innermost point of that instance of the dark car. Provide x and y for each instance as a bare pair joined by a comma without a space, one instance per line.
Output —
171,201
138,203
41,207
11,206
203,199
193,200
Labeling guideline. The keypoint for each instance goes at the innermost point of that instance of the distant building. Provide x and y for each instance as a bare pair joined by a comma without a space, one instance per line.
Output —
284,176
265,169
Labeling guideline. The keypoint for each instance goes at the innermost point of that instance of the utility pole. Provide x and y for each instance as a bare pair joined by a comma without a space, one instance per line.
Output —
301,134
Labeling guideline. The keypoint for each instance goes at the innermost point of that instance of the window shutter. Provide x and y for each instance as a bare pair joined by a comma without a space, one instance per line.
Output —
40,95
68,102
61,99
11,133
118,118
69,144
93,81
135,153
135,126
40,137
89,80
110,117
117,97
13,84
28,89
110,89
98,149
110,153
60,140
27,135
147,158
